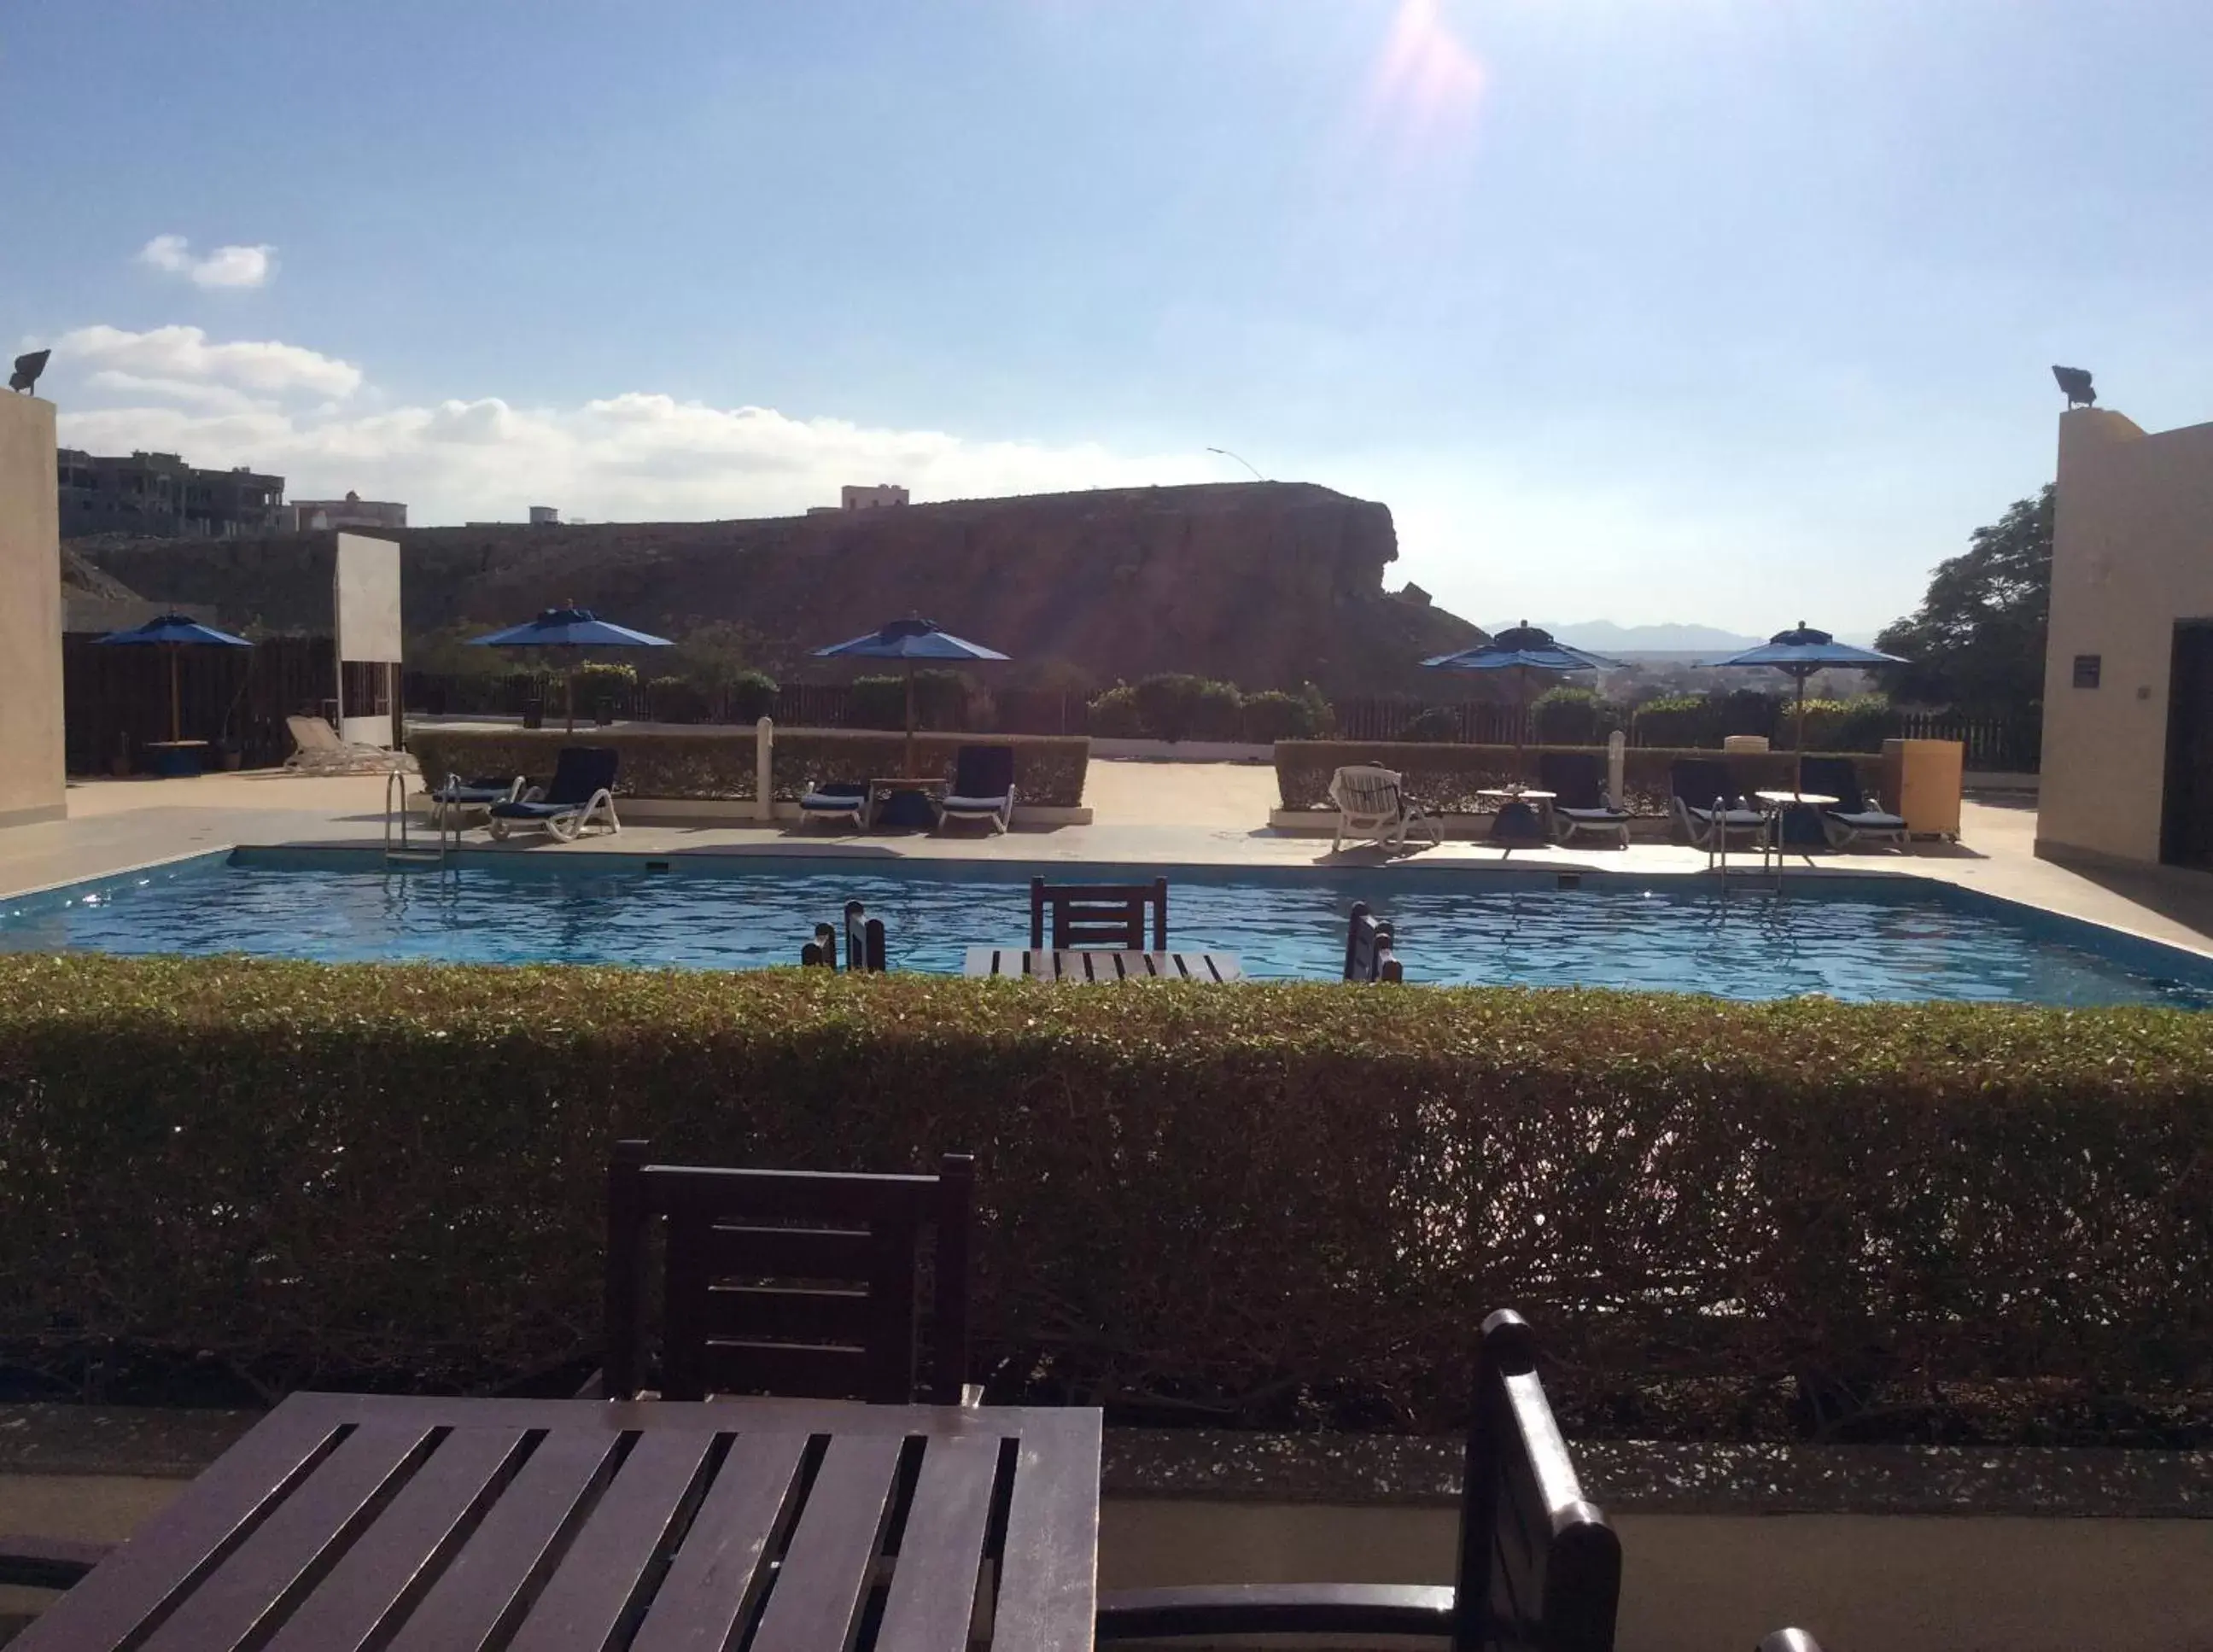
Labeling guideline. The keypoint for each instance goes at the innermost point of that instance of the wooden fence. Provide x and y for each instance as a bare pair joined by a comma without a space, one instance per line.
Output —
115,699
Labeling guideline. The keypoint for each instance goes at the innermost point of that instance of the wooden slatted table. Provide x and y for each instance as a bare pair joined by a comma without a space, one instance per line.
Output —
1103,963
427,1525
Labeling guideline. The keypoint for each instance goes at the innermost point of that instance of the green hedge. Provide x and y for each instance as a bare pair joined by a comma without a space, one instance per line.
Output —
1445,777
1255,1203
718,762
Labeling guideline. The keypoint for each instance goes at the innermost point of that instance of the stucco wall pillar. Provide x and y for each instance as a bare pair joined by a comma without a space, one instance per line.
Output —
31,762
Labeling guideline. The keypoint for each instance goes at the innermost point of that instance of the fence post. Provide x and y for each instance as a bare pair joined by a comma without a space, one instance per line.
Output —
1617,767
763,770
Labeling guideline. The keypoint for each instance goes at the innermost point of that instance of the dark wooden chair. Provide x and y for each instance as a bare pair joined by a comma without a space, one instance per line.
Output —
788,1281
1789,1639
1367,950
1540,1569
1099,914
43,1563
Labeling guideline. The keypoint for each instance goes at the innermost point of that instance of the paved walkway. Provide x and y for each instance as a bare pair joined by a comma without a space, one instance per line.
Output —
1144,813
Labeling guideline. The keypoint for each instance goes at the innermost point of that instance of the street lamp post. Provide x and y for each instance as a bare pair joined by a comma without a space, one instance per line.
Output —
1242,460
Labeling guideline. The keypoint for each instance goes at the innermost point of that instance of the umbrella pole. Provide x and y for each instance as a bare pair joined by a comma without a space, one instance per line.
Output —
568,697
1798,762
910,718
176,714
1521,719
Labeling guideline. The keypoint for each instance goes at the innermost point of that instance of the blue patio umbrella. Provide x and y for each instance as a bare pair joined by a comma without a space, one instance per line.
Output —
575,629
175,632
1521,649
908,640
1802,651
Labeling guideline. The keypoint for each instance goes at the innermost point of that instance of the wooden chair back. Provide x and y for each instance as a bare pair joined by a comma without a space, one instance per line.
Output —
1368,951
1540,1569
1099,914
791,1282
1696,781
1368,792
1575,779
864,938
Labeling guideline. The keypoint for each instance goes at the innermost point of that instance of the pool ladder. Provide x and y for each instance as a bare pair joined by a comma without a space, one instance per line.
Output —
402,848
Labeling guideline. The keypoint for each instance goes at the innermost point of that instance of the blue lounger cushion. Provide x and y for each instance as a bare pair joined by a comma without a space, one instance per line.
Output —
836,800
975,805
1732,817
1595,816
1869,820
533,811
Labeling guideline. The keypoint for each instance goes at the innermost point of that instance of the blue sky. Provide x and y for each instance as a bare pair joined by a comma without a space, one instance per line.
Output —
1736,311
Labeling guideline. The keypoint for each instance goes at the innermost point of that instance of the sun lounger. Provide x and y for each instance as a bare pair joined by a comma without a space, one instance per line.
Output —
836,800
1705,805
458,797
318,750
1853,817
1578,783
1371,802
982,787
582,791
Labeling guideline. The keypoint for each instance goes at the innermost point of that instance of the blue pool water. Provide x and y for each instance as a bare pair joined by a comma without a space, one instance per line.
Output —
1860,938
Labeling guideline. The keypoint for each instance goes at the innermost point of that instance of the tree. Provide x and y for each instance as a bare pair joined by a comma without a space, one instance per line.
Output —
1977,641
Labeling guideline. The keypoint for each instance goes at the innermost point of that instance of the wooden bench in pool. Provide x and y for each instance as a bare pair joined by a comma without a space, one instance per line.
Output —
1101,964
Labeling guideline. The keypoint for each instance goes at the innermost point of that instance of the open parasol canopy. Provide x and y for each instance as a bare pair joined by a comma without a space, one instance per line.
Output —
575,629
911,641
175,632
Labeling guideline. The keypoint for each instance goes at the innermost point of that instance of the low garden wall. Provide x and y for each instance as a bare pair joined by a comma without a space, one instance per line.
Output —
1444,779
689,762
1272,1205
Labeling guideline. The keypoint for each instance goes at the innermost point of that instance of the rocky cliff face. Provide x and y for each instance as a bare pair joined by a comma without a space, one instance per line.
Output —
1267,584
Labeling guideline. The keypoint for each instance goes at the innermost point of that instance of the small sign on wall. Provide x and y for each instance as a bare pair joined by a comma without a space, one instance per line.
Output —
2086,669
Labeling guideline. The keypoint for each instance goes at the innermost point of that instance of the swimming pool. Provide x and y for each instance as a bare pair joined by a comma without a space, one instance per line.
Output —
1850,937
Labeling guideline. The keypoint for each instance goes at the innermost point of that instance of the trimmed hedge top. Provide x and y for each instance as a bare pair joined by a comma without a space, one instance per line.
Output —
719,762
1268,1204
1446,779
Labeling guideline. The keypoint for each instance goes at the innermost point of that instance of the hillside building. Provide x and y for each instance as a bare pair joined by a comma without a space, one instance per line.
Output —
159,495
313,515
884,494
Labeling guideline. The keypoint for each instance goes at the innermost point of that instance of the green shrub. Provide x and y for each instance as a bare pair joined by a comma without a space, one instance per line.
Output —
1746,711
360,1174
1114,715
672,699
1274,715
750,697
1318,705
718,763
1445,778
1438,725
597,677
941,701
1175,705
1573,717
1859,724
1683,720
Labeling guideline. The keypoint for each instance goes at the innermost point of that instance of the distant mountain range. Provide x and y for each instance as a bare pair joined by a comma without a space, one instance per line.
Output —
1604,636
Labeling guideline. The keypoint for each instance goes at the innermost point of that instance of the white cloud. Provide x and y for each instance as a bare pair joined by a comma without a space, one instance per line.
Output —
184,355
636,456
226,266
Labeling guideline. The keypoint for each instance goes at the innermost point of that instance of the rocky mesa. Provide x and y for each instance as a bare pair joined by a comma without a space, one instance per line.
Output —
1267,584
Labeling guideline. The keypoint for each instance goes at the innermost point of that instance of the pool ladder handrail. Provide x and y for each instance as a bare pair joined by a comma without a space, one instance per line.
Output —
406,851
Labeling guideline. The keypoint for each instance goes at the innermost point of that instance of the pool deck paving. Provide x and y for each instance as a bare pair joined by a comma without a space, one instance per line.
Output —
1144,813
